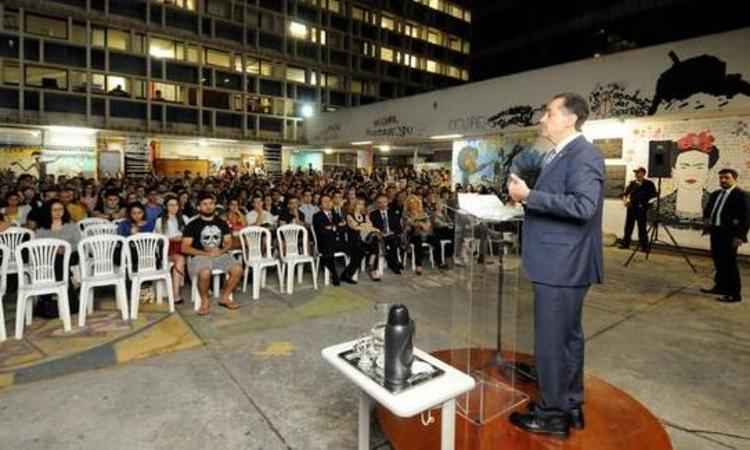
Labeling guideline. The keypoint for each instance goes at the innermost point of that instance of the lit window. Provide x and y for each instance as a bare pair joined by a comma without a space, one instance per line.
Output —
139,43
358,13
11,73
192,54
117,84
465,75
356,86
161,48
185,4
167,92
432,66
118,39
217,58
47,26
238,63
454,43
46,77
334,5
295,74
433,37
386,54
467,47
387,23
314,78
139,89
97,37
298,30
78,33
78,81
98,81
333,81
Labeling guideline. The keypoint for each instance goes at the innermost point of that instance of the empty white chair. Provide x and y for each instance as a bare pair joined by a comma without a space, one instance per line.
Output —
288,237
148,260
100,229
12,238
430,255
99,268
257,255
37,277
326,272
89,221
5,254
444,243
216,274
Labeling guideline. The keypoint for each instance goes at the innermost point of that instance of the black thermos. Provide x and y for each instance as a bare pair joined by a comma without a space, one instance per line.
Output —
399,345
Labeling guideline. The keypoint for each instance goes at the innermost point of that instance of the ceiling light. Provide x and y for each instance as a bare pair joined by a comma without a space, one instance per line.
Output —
362,143
447,136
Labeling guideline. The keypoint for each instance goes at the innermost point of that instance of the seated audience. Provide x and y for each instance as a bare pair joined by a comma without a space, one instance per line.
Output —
329,230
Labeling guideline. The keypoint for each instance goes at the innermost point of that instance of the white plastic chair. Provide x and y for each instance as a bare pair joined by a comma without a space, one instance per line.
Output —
444,243
430,254
252,240
6,254
12,238
288,237
216,274
100,229
145,265
98,268
83,224
37,277
326,272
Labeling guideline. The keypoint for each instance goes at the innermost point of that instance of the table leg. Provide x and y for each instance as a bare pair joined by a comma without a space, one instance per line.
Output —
448,425
364,421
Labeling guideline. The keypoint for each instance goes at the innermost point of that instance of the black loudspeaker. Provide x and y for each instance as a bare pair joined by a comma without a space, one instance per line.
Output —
660,154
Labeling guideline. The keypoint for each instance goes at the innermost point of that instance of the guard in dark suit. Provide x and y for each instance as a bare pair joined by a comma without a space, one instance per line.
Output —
388,221
562,256
637,196
329,231
726,220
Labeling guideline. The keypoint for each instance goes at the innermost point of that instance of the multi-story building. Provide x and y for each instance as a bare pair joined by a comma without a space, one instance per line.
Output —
239,69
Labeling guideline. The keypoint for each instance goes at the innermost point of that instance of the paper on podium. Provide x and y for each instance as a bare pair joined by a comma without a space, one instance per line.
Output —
487,207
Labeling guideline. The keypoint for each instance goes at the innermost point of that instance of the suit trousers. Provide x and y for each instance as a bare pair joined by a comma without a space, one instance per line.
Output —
727,278
559,346
392,244
636,214
354,252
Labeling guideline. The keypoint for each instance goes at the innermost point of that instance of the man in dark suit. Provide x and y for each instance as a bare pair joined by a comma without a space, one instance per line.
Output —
388,221
637,198
329,231
726,220
562,256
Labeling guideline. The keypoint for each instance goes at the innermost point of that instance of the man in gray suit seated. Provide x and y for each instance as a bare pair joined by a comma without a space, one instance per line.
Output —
562,256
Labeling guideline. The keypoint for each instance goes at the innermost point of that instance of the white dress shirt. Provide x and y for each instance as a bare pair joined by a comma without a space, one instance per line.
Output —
560,147
721,200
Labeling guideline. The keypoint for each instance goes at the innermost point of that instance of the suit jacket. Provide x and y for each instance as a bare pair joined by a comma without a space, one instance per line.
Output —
328,232
734,216
640,195
562,231
394,220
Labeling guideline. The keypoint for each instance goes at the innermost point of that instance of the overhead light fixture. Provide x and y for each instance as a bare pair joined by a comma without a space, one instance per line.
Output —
72,130
362,143
307,110
446,136
328,151
385,148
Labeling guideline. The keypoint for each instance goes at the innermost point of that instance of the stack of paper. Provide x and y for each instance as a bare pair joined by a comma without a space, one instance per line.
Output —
487,207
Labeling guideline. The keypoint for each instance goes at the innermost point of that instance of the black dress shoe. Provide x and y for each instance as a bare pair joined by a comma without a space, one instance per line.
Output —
533,422
576,418
335,281
730,299
348,280
623,246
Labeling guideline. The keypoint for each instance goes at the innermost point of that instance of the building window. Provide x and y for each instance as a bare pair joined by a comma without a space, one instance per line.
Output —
119,40
386,54
432,66
433,37
10,20
358,13
332,5
333,81
46,77
98,81
356,86
464,74
47,26
314,77
119,86
161,48
217,58
78,33
139,89
98,36
319,36
219,8
78,81
139,43
298,30
368,49
184,4
295,74
192,54
388,23
167,92
11,73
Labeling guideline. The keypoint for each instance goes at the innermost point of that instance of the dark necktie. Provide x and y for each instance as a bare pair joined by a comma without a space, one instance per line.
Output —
385,222
717,208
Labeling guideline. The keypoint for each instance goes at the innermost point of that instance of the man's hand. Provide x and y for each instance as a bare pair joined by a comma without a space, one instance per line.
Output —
517,188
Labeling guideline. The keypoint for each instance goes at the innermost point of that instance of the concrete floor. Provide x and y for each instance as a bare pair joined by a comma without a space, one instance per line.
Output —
259,382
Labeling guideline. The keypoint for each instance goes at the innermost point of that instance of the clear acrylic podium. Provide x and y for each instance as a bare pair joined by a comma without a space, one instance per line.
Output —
485,310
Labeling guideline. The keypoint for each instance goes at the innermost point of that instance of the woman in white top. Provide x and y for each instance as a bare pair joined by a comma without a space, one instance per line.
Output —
15,213
170,224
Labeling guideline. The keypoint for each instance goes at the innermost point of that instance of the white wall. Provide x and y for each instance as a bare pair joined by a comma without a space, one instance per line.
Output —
618,85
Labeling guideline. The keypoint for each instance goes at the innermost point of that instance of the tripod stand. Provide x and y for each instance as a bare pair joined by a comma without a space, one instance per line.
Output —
653,235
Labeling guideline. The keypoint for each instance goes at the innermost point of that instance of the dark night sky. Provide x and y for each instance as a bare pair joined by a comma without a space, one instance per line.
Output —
512,36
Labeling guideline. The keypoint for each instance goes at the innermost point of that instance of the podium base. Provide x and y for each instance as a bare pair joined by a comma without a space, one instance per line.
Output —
614,420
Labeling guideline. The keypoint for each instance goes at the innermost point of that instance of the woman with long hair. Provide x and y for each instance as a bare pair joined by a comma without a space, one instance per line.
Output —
419,231
171,223
364,234
186,206
55,223
135,221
